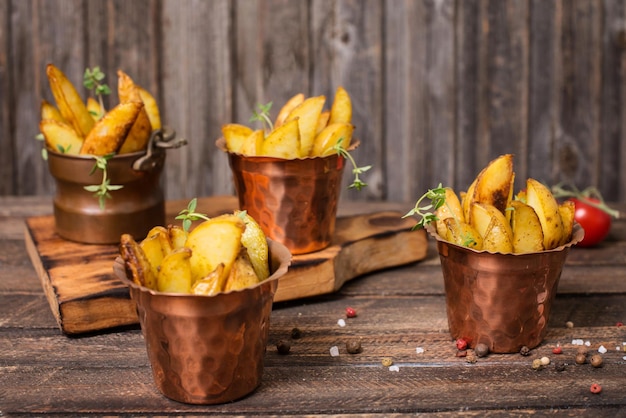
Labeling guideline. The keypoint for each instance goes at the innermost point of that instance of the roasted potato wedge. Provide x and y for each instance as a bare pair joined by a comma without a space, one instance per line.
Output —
492,225
152,108
567,210
284,112
253,144
322,122
211,284
526,228
451,209
94,108
330,136
235,136
110,132
494,182
341,109
242,274
69,102
255,242
60,136
174,274
283,142
540,198
307,114
49,111
461,233
136,263
156,246
139,134
178,236
215,241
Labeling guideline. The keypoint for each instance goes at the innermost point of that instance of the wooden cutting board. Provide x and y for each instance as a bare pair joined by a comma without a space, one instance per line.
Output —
85,296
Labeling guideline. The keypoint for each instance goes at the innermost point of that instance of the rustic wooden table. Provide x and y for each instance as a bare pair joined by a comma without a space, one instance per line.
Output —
401,311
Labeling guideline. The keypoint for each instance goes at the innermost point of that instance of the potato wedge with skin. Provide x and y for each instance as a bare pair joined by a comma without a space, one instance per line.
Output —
69,102
491,224
526,228
139,134
322,122
49,111
540,198
283,142
110,132
235,136
253,144
328,138
178,236
136,263
174,275
152,108
255,242
461,233
450,209
215,241
284,112
567,210
341,109
307,114
466,199
211,284
242,274
493,183
60,137
94,109
156,246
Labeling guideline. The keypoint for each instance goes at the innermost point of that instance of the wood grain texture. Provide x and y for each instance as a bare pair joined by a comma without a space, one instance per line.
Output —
439,87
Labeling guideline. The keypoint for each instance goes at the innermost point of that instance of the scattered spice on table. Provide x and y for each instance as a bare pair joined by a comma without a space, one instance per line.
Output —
596,360
283,347
350,312
387,361
595,388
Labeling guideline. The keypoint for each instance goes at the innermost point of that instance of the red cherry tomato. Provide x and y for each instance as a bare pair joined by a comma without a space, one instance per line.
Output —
594,221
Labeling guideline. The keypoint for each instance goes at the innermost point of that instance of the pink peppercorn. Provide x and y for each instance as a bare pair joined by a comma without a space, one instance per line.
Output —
350,312
461,344
595,388
620,324
557,350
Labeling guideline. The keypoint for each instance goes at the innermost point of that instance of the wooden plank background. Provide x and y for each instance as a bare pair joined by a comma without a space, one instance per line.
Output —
439,87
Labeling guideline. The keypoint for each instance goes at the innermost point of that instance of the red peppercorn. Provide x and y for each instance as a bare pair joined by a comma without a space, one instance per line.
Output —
461,344
557,350
595,388
620,324
350,312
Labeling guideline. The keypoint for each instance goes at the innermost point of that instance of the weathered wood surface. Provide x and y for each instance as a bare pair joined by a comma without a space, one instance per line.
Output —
85,296
44,372
439,87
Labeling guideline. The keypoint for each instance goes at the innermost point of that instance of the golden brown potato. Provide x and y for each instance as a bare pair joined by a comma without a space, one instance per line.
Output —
178,236
235,136
60,137
466,201
255,242
152,108
69,101
328,138
139,134
567,210
307,114
242,274
540,198
283,142
211,284
450,209
341,109
213,242
322,122
291,104
491,224
526,228
94,109
109,133
494,182
253,144
48,111
156,246
175,272
136,263
461,233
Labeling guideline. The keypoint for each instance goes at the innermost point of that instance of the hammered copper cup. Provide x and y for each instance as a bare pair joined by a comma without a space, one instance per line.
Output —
294,201
501,300
133,209
208,349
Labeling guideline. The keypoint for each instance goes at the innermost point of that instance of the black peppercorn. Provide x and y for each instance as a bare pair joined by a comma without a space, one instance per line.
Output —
296,333
524,351
283,347
559,366
481,350
353,347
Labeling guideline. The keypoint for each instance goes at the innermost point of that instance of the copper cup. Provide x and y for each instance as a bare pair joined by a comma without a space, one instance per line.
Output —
133,209
294,201
501,300
208,349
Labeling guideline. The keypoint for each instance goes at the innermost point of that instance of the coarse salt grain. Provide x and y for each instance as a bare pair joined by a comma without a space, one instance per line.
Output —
624,358
587,343
577,342
341,323
419,350
334,351
394,369
602,349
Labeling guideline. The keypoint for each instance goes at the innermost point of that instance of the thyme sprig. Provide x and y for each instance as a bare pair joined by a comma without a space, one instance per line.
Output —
356,170
101,191
92,80
437,197
586,195
262,114
189,215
